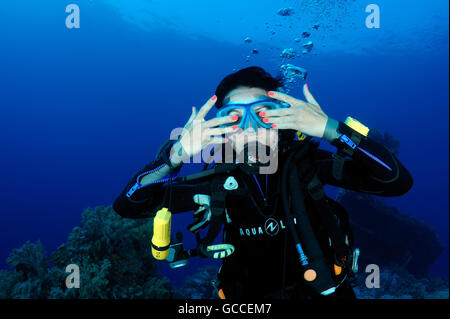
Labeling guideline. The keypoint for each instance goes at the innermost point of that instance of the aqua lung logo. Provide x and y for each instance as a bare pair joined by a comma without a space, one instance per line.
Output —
271,227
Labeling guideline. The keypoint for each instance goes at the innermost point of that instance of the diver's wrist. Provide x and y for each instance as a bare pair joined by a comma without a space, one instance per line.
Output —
331,130
177,155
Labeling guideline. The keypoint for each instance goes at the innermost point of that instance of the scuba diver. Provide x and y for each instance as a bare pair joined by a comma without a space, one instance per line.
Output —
282,236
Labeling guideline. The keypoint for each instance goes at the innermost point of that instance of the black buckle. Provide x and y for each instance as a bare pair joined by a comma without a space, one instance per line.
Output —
315,188
338,165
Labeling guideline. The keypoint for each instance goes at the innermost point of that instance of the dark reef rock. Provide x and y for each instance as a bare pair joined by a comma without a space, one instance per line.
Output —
200,285
397,283
388,237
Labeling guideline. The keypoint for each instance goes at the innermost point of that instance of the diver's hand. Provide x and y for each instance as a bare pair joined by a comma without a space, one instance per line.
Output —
197,134
306,117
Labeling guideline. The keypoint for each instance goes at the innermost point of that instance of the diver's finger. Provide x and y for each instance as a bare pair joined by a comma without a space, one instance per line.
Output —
221,120
277,112
283,97
221,130
309,96
206,107
284,126
189,122
218,140
278,120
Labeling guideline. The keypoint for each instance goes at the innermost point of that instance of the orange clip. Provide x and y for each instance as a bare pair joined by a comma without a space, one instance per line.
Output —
337,269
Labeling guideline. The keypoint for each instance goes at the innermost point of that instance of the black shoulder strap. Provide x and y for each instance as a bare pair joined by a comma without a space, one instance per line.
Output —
328,219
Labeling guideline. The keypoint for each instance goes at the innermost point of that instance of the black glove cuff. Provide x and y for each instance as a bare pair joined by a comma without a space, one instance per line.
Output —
348,138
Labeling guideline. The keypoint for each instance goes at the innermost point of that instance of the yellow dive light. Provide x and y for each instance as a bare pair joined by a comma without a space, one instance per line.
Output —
161,234
357,126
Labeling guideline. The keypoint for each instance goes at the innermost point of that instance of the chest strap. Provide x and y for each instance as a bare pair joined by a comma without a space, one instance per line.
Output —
328,219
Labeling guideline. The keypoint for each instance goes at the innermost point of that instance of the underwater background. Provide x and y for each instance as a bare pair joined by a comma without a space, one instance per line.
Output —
83,109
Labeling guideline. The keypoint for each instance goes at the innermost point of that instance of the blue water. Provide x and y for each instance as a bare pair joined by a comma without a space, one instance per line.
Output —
82,110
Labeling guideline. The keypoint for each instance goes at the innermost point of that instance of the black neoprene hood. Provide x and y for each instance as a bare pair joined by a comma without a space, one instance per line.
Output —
251,77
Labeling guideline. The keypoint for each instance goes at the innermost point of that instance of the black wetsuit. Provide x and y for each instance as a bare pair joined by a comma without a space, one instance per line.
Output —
259,235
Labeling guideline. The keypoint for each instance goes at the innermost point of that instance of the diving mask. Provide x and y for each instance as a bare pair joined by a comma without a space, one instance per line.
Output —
248,113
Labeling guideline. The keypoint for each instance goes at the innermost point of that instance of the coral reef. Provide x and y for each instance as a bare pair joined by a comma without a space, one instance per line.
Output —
112,254
30,278
200,285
